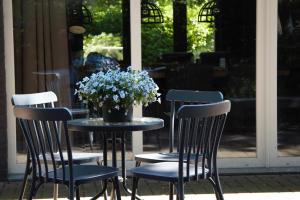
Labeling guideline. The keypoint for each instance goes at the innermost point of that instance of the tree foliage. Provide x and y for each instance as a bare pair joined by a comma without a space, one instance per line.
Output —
106,29
107,16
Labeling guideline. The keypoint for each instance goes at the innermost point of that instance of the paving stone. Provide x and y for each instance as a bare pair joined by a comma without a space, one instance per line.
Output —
256,187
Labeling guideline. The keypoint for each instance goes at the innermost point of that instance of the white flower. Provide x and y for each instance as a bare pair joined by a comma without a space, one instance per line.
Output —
95,84
118,88
122,94
116,98
158,100
85,79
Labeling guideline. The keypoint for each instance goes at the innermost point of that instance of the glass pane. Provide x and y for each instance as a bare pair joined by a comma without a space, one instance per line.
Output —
288,78
57,43
217,53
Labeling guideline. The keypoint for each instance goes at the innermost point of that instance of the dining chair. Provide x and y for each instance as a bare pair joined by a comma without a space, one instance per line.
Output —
200,128
40,127
178,98
43,100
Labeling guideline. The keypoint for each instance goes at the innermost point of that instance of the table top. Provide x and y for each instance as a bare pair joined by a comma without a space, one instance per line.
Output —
97,124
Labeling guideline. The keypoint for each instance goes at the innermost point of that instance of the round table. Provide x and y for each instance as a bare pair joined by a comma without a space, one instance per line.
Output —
98,126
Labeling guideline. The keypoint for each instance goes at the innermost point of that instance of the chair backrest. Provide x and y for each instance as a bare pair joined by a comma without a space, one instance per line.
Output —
178,98
41,133
37,100
200,128
42,99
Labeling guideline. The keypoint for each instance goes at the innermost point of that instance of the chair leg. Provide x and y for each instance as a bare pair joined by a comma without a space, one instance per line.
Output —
32,189
105,196
171,191
71,191
55,191
91,140
216,182
135,181
180,190
98,162
104,187
112,194
117,188
77,193
25,179
137,163
217,188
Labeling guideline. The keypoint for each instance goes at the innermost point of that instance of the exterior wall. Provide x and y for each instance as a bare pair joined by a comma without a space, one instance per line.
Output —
3,115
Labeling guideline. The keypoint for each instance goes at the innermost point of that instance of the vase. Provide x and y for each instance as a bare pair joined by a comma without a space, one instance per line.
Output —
116,115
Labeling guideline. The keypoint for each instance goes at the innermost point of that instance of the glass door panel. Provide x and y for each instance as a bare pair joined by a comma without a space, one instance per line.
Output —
57,43
184,53
288,78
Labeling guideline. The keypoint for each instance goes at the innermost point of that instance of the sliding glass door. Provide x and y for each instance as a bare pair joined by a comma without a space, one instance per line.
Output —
247,50
288,82
192,51
58,43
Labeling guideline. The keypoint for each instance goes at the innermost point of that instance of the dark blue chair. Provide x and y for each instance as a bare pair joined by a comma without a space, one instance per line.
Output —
40,127
178,98
48,99
199,128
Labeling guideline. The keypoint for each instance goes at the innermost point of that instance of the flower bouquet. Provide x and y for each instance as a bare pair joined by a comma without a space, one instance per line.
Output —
116,91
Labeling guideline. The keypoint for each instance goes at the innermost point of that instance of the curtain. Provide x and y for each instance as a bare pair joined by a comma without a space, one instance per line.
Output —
41,47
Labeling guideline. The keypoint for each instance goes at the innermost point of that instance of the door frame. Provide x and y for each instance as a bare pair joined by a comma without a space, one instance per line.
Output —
274,159
266,88
13,167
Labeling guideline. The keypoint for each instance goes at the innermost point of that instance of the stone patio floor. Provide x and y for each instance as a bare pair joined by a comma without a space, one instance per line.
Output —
236,187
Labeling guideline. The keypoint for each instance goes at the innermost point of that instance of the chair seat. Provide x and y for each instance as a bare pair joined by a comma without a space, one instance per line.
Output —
165,171
78,157
159,157
84,173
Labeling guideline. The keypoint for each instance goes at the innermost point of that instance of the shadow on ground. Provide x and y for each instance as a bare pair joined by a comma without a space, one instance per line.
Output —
231,184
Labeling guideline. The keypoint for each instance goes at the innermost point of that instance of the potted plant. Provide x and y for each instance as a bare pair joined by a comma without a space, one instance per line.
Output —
116,91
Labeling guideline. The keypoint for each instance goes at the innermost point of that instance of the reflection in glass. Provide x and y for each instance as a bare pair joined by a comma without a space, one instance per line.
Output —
183,53
57,43
288,78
